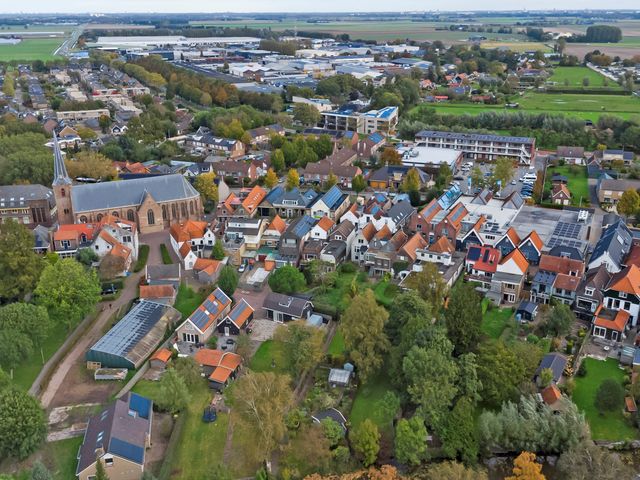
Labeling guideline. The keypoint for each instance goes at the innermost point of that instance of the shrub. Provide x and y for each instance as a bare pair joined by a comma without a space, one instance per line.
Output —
531,338
582,370
143,255
348,267
569,348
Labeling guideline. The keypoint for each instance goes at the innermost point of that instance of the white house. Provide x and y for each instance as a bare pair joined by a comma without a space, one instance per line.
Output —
189,241
321,230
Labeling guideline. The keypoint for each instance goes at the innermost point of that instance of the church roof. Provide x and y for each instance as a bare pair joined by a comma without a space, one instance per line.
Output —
60,175
125,193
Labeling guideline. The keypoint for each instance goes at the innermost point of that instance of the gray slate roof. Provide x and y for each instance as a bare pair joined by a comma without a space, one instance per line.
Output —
285,303
130,193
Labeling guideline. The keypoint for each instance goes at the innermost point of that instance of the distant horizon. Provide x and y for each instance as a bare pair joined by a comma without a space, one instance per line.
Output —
79,7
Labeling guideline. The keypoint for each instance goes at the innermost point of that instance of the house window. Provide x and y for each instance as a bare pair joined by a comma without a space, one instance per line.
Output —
108,462
600,332
151,219
623,294
589,291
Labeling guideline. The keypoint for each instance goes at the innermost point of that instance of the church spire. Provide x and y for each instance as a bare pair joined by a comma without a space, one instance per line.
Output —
60,175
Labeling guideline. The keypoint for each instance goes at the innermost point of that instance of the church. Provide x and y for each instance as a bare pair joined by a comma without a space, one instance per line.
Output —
154,203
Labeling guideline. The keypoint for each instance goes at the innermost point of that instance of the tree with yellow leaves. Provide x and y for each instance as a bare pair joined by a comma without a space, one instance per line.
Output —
525,467
293,179
206,187
270,179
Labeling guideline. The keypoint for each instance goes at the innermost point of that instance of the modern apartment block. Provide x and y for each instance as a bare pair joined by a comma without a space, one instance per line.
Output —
82,115
384,120
481,146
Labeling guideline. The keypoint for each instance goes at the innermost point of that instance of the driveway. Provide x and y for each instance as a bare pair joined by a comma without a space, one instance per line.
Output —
70,383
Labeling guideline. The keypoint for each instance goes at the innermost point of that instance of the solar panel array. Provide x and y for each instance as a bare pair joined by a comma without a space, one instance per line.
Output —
126,450
332,196
569,230
564,242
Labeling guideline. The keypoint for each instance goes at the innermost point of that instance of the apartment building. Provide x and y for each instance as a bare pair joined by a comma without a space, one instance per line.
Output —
82,115
481,146
347,119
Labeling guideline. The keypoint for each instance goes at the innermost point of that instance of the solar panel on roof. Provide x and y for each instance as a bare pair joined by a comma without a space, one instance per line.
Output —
126,450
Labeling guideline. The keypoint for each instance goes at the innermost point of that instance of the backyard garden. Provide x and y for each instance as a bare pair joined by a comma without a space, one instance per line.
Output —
577,182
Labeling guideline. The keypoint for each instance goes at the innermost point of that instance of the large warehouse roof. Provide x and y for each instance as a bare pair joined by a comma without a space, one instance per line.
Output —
134,337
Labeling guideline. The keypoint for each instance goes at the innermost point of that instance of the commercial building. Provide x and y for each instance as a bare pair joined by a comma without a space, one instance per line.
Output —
481,146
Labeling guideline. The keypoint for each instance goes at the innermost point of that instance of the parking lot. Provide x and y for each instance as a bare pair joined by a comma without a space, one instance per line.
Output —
487,168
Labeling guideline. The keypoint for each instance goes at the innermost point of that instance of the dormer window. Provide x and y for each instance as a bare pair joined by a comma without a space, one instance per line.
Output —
623,294
589,291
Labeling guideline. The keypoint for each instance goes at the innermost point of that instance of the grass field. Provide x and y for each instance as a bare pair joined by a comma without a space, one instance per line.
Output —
575,75
188,300
268,353
494,321
612,425
30,49
578,182
587,107
365,405
336,347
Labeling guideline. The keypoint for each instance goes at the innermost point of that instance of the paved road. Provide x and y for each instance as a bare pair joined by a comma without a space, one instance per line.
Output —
96,331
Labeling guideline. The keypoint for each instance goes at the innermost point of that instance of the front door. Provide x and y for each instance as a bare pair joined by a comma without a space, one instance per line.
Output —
614,336
226,331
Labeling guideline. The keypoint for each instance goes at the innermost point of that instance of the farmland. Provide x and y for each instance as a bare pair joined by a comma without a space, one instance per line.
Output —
30,49
574,77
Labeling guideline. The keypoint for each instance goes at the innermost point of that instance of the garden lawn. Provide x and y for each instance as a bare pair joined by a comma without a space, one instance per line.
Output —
336,347
267,353
578,182
25,374
610,426
188,300
64,455
494,321
385,292
365,405
337,296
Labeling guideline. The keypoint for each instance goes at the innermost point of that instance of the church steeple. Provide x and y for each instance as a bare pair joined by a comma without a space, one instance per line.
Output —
60,175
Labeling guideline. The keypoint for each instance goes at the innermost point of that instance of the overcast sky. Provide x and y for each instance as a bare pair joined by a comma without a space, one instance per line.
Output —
102,6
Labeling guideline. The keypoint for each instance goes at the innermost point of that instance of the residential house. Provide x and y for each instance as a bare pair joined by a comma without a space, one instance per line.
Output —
610,156
560,194
165,294
344,232
285,308
293,203
383,251
361,241
623,292
610,190
293,239
249,206
508,281
340,164
451,225
509,241
332,204
204,142
237,320
610,325
531,247
163,274
320,230
218,366
29,205
481,264
312,250
273,232
118,437
440,252
235,171
207,269
225,209
573,155
262,135
334,253
392,177
68,239
201,324
612,247
589,295
370,145
160,359
249,230
398,215
557,277
189,240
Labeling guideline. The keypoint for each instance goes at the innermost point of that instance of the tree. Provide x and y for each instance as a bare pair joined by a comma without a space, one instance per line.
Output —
365,440
333,431
503,171
458,432
559,319
19,265
40,472
411,182
101,474
270,179
111,266
287,279
293,179
390,156
362,327
308,451
538,188
104,121
86,256
303,346
358,183
68,291
411,441
15,347
445,175
629,203
188,370
586,461
277,160
261,401
217,252
477,177
453,471
206,187
22,424
306,114
173,394
429,284
331,181
27,318
469,385
609,396
228,280
405,308
91,164
463,317
500,371
243,345
545,378
525,467
389,405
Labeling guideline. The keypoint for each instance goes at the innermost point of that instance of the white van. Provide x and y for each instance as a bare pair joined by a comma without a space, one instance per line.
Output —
530,176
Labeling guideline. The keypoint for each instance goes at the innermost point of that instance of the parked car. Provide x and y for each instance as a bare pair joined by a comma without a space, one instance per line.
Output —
242,267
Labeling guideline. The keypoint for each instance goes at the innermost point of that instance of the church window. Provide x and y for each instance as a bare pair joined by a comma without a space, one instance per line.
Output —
115,214
83,219
183,207
174,213
131,216
151,217
191,206
164,212
99,217
62,192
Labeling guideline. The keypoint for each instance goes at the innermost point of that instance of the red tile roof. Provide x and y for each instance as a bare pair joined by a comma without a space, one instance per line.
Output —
627,280
564,265
73,231
513,236
535,240
253,199
488,261
207,265
156,291
412,245
617,323
369,231
551,394
443,245
163,355
277,224
519,259
325,223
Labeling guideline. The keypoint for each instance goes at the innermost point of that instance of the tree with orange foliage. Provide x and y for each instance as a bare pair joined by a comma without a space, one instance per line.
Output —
385,472
525,467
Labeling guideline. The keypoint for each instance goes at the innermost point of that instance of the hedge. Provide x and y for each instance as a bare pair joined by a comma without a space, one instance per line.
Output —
166,256
143,255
